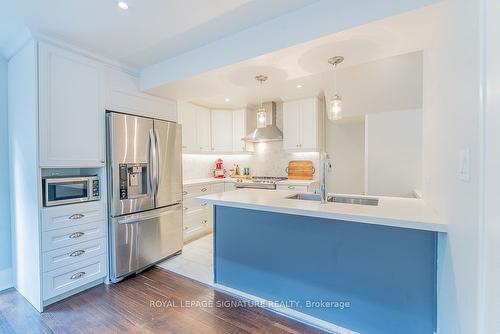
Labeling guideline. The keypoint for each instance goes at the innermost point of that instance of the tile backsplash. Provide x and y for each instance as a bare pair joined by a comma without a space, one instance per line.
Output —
269,159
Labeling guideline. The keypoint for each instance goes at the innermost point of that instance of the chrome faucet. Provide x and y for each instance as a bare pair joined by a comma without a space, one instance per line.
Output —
325,167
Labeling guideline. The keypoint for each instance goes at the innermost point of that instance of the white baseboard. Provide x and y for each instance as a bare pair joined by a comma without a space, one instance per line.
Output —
287,312
6,279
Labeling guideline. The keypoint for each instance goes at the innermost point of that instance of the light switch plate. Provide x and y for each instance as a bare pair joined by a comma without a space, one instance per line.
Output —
464,165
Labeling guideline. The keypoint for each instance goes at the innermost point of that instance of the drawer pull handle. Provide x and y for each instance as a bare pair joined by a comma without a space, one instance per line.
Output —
204,221
291,187
78,275
184,193
77,253
186,208
186,228
76,235
204,189
204,204
76,216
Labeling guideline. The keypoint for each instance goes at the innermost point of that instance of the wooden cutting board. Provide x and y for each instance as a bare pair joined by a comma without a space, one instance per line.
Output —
300,170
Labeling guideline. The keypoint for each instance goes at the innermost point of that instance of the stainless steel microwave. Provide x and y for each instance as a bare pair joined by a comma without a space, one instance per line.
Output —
69,190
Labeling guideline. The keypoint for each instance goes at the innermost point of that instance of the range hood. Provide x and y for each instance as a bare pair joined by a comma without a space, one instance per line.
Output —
271,131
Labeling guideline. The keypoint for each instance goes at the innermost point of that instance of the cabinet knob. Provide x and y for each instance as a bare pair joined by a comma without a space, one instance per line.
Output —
291,187
186,228
76,235
78,275
184,193
204,204
76,216
204,189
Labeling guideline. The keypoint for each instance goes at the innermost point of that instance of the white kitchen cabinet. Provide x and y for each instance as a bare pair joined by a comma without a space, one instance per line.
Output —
197,218
123,95
218,131
301,125
187,118
195,122
71,109
298,185
291,187
222,130
203,129
239,130
229,186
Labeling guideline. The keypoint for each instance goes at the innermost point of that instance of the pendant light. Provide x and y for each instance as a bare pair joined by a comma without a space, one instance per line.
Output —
261,112
335,108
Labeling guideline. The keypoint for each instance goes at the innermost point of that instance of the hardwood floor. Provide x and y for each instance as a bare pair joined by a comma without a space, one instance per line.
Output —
156,301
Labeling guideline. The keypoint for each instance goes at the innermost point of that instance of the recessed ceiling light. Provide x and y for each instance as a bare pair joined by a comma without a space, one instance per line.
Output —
227,99
299,86
123,5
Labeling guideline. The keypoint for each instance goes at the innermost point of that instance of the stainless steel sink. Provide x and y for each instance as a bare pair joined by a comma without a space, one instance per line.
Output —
337,199
306,197
354,200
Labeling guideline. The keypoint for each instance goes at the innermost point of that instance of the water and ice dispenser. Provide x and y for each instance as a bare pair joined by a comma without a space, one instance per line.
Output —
133,180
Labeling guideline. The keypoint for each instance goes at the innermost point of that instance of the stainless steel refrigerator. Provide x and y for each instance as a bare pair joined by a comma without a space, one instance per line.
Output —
144,168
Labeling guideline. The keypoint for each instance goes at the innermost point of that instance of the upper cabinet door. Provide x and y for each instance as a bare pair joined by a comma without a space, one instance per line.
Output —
291,125
188,118
203,129
308,121
222,131
239,130
300,125
71,110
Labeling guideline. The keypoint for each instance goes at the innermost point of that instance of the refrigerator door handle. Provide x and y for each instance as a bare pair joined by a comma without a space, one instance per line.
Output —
152,162
158,159
138,217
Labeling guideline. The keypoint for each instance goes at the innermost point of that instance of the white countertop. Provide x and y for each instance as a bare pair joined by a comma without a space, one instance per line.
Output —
391,211
207,180
298,182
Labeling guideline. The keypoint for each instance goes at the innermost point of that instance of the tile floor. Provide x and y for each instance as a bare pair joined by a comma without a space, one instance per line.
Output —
196,260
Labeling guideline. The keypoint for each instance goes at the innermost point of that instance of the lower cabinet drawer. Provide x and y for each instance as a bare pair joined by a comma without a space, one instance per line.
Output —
70,277
191,206
60,257
291,187
70,236
71,215
196,224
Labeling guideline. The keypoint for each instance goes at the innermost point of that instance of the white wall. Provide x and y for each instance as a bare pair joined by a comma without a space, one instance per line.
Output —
198,166
345,143
490,292
393,153
451,114
5,238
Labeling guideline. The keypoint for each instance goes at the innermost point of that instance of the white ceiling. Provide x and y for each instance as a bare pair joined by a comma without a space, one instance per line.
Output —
306,64
150,31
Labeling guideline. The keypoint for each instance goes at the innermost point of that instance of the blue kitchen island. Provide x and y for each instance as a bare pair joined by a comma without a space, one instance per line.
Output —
330,264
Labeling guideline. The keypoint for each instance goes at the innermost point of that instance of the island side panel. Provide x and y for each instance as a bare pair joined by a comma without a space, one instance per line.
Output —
386,274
